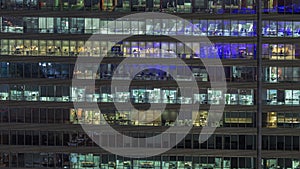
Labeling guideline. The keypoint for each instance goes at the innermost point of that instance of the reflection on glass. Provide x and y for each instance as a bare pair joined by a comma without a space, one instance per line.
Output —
143,49
200,118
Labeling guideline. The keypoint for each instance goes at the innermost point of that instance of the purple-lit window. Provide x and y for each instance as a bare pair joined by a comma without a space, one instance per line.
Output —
180,49
254,28
226,27
211,28
196,28
180,28
188,28
234,28
243,28
250,50
164,46
246,28
203,26
219,28
272,31
242,51
156,44
265,27
203,51
219,48
296,6
156,26
288,28
296,29
226,51
234,51
281,29
172,27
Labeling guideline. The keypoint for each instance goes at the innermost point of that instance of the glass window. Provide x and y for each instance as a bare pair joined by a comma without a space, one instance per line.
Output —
215,96
246,97
12,24
200,118
169,96
77,25
292,97
42,47
169,118
296,29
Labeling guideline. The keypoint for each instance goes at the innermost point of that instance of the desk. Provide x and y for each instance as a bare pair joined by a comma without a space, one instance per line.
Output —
216,6
147,165
87,164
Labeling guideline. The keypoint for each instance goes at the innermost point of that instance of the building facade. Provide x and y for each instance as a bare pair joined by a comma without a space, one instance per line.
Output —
42,39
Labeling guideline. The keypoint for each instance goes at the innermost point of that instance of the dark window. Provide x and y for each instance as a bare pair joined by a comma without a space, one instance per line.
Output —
210,141
58,139
272,142
27,68
218,142
27,115
20,115
204,144
196,141
66,139
35,115
50,115
280,142
265,142
4,115
43,115
51,139
242,142
66,115
295,143
36,138
13,139
28,138
13,115
5,137
234,142
226,142
242,162
20,138
234,162
288,163
250,143
21,160
44,138
288,143
188,141
58,116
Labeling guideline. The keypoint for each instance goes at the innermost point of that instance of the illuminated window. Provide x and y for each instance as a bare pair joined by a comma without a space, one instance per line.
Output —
200,118
272,120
